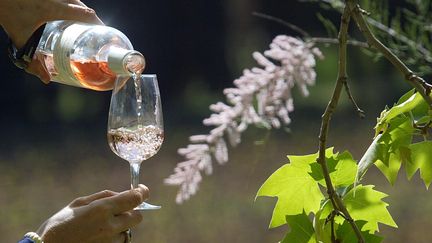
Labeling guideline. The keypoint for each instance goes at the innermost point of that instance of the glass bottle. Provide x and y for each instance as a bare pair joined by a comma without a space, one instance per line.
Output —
87,55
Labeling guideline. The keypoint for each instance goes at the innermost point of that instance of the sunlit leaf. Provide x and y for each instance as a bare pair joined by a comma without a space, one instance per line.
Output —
399,134
391,168
322,228
406,96
364,204
295,188
342,168
368,158
421,158
391,149
301,231
412,102
345,234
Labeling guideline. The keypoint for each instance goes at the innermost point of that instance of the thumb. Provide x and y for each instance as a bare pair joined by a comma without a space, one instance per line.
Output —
69,11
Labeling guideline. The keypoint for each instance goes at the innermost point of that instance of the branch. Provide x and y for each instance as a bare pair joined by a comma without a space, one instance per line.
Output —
331,107
306,35
336,41
330,219
282,22
393,33
360,112
417,82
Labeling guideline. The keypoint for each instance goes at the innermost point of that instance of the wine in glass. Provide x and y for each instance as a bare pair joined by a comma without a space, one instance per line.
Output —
135,123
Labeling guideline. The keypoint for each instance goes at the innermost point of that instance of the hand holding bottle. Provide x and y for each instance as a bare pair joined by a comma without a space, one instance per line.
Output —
100,217
20,18
87,55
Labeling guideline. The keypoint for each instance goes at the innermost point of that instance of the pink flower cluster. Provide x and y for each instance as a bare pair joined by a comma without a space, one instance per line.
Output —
262,96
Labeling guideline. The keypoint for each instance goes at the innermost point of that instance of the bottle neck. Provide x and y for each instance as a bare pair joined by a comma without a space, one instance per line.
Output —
125,62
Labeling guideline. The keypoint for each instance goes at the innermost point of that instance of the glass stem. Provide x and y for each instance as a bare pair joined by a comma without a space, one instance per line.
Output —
135,170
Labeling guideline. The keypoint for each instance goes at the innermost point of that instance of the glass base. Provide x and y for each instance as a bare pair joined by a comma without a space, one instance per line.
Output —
147,206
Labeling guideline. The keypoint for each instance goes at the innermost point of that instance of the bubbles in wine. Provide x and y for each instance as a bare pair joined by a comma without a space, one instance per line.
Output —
135,145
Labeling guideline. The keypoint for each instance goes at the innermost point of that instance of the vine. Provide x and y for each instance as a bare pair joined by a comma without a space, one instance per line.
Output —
346,210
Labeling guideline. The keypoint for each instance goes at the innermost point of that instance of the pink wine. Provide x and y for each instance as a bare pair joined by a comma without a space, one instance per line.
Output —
94,75
135,145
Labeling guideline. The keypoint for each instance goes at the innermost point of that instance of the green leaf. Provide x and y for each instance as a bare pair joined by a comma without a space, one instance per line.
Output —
367,205
410,166
421,158
296,190
364,204
342,168
399,134
345,234
391,148
322,228
424,120
391,167
406,96
368,158
409,104
302,230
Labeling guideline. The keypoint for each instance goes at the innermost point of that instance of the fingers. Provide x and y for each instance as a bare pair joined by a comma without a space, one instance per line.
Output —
128,200
81,201
77,2
127,220
76,11
119,238
36,68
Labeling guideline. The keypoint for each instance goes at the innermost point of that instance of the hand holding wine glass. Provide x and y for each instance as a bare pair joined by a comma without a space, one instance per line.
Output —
135,123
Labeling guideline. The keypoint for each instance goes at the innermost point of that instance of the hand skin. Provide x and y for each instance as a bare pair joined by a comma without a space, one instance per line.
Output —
100,217
20,18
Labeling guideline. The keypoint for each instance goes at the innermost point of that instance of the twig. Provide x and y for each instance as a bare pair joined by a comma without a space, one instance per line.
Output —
342,76
393,33
417,82
306,35
336,41
282,22
333,236
330,219
360,112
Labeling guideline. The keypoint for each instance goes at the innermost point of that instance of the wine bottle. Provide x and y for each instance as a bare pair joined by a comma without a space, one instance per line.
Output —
87,55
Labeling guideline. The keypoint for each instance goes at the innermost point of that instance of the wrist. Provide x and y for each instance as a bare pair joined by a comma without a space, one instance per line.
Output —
19,19
31,237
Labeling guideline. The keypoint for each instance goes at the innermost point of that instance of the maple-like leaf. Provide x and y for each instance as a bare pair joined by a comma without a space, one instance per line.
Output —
365,204
408,102
345,234
302,230
421,158
391,150
297,191
342,169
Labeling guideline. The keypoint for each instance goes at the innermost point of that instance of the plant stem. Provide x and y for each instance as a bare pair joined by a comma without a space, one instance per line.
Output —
331,107
360,112
325,40
402,38
417,82
282,22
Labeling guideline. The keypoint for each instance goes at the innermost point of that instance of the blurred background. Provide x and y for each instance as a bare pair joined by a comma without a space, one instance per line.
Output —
54,146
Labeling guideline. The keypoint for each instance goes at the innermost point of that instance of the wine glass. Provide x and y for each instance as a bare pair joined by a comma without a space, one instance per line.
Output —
135,123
